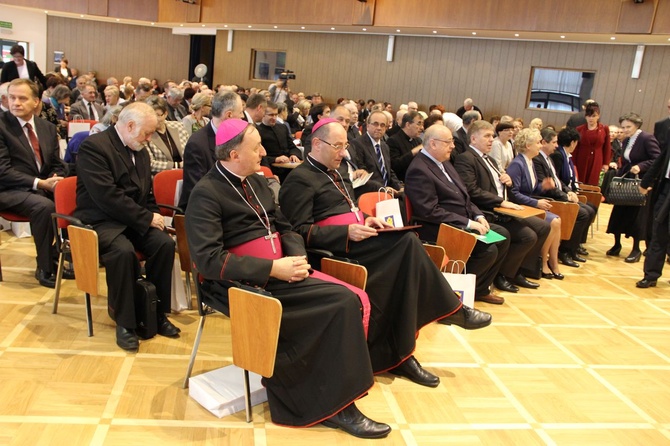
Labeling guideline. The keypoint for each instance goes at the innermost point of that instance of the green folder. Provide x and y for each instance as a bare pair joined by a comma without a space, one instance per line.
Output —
491,237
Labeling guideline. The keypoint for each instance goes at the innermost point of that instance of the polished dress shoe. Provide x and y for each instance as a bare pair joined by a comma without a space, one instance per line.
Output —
614,251
557,276
127,339
547,275
646,283
520,280
491,299
503,284
566,260
633,257
167,328
577,258
45,279
582,251
68,273
468,318
412,370
352,421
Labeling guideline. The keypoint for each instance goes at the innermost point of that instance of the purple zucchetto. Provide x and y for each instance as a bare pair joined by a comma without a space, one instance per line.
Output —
229,129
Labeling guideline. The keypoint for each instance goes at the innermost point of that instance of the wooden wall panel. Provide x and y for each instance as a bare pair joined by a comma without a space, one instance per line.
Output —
114,49
76,6
430,70
662,20
98,7
133,9
636,18
174,11
298,12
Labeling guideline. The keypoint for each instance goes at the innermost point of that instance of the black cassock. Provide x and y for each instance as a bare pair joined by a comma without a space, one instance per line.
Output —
322,360
406,289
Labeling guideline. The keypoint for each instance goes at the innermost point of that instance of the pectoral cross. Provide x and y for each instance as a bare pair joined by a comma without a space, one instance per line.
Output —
272,238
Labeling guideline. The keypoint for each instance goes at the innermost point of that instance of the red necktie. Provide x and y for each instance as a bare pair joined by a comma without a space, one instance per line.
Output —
34,143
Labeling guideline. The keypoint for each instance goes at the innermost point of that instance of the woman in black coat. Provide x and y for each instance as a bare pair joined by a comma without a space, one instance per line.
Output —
640,149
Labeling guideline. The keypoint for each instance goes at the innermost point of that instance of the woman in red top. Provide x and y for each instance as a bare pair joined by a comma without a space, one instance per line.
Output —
593,153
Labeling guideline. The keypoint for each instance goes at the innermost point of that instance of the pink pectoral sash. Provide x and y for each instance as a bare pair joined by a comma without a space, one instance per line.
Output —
347,218
362,296
266,247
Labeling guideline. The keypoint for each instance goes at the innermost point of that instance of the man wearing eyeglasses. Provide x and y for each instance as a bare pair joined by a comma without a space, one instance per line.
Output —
277,142
405,144
374,154
405,288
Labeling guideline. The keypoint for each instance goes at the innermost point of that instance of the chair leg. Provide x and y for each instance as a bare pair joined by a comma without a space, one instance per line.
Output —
89,318
247,396
59,279
194,352
189,296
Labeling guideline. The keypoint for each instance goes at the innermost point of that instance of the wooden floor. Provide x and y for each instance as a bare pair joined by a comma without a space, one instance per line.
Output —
585,361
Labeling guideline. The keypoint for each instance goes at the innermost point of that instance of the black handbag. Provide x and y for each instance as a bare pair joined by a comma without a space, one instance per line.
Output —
626,192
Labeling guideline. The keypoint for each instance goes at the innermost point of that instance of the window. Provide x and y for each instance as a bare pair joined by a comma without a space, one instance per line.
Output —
559,89
267,64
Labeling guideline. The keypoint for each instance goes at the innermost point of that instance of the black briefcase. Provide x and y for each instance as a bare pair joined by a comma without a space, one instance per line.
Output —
146,303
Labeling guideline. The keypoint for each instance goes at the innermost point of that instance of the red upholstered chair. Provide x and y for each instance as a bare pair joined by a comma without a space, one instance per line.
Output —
65,201
267,172
367,202
14,218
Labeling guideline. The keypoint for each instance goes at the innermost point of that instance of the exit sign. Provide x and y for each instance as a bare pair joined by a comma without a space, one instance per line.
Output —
7,25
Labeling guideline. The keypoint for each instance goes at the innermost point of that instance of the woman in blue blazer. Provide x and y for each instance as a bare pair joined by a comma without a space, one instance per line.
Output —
525,185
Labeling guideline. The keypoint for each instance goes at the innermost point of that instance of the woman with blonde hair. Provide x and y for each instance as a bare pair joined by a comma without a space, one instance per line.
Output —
524,186
200,107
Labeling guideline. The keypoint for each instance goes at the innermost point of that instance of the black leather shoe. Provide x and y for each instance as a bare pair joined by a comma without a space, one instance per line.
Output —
503,284
68,273
557,276
547,275
167,328
352,421
45,279
633,257
645,283
577,258
614,251
127,339
582,251
566,260
468,318
521,281
412,370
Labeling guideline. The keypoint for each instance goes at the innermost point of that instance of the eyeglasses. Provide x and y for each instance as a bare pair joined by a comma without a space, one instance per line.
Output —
338,148
378,124
446,141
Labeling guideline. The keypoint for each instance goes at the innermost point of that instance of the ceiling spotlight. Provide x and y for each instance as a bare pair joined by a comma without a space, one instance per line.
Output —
516,35
365,29
434,32
474,33
332,29
302,27
612,38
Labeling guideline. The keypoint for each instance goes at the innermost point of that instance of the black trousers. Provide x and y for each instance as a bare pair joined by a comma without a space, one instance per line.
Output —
117,254
660,235
580,232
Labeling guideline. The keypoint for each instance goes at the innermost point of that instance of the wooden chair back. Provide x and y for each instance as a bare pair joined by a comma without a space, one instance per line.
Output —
437,255
568,213
356,275
84,248
457,244
594,198
254,322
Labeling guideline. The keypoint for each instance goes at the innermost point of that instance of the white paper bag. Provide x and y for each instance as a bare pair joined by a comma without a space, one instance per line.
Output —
221,391
179,300
76,127
464,286
389,210
21,229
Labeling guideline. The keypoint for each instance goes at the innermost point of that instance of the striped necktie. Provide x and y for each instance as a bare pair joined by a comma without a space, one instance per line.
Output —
380,160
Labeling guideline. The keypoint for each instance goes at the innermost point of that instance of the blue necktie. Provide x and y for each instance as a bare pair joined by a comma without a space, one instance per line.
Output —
380,160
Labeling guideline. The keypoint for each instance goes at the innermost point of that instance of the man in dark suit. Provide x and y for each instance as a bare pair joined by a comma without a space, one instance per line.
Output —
254,109
657,179
21,68
114,195
439,196
487,186
30,169
661,129
277,142
570,250
373,154
468,105
87,108
176,111
199,155
4,99
405,144
461,140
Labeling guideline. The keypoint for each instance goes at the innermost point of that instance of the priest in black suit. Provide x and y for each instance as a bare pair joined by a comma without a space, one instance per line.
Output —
404,145
439,196
114,195
21,68
199,156
488,186
30,169
277,142
570,250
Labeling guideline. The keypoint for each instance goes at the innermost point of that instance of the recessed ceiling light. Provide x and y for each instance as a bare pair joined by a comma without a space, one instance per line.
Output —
302,27
248,26
365,29
81,15
118,20
516,35
612,38
152,23
562,37
434,32
474,33
225,26
332,29
275,26
397,30
203,26
47,12
181,24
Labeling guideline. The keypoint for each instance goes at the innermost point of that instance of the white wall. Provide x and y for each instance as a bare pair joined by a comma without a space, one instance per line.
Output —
31,27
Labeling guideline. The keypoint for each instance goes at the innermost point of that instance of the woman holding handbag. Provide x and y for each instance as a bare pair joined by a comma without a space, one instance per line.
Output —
640,149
